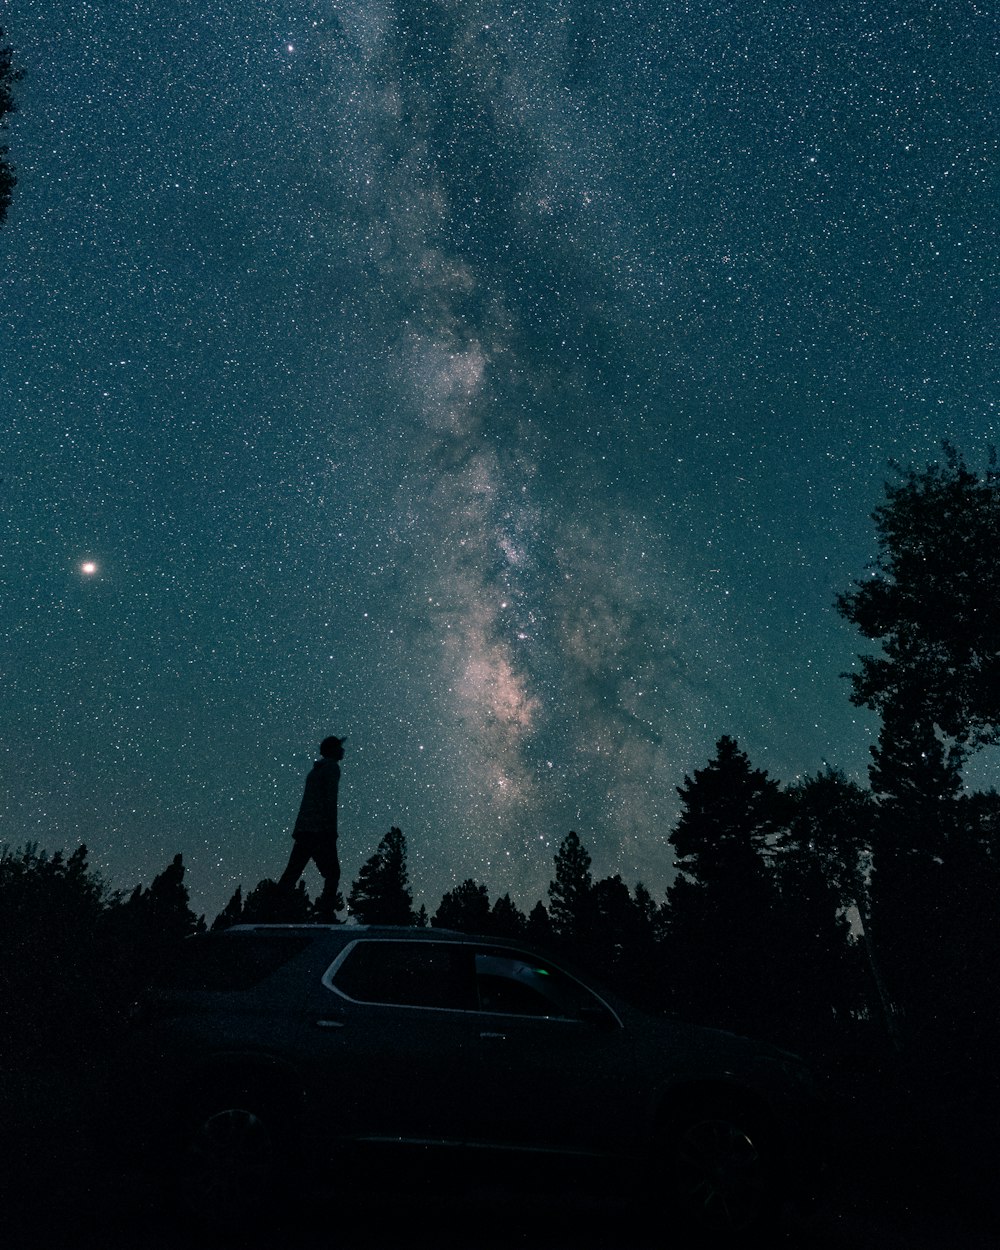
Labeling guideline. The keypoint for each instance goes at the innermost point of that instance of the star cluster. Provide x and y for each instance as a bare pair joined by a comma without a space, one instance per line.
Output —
505,388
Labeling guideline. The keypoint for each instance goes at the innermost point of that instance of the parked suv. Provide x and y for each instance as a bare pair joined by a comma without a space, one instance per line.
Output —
274,1046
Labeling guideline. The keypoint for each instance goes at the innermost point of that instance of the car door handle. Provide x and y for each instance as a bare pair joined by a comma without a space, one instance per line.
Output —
326,1023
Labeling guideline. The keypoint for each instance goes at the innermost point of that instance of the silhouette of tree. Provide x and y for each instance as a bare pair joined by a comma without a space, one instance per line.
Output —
571,894
268,903
729,811
723,919
466,908
231,914
615,925
913,767
322,913
623,946
538,929
830,826
933,604
971,941
652,917
646,976
820,870
163,909
381,894
507,919
146,928
8,77
54,984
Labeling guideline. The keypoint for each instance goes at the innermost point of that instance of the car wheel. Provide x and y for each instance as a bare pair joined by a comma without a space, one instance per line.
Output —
232,1165
721,1172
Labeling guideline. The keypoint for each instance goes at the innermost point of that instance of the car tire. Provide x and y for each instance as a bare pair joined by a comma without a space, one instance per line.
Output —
721,1172
234,1164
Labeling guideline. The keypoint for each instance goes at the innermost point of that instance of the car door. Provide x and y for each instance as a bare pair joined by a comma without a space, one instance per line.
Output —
556,1070
390,1041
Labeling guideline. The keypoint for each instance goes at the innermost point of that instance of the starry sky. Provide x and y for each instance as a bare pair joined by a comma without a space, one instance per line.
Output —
504,386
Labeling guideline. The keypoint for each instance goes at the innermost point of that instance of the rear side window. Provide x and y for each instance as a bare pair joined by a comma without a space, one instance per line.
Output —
237,961
407,974
514,984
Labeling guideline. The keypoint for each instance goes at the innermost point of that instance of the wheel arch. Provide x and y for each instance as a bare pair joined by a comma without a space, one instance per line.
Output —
698,1094
255,1076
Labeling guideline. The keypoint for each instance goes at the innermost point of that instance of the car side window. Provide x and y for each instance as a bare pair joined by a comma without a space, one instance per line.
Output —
407,974
230,960
517,984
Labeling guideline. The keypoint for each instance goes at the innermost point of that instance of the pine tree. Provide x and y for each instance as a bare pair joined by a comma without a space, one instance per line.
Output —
613,935
650,915
538,929
571,893
507,919
933,604
58,989
466,908
268,903
231,914
644,976
163,909
381,894
8,76
723,921
820,869
729,812
321,912
830,824
149,925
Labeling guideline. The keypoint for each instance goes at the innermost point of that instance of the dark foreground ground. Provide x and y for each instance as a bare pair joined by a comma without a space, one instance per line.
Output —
903,1173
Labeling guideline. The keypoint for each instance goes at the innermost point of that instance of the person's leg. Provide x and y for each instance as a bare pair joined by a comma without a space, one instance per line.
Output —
328,863
296,866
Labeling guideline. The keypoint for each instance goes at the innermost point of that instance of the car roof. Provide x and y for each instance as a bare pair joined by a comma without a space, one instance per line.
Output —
345,933
350,932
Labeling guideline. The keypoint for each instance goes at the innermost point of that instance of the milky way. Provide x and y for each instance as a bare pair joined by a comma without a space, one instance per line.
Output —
505,388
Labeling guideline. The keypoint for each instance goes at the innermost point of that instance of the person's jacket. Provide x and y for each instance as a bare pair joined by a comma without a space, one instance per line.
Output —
318,811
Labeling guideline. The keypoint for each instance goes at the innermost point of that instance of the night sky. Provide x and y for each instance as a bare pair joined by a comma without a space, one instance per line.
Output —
506,387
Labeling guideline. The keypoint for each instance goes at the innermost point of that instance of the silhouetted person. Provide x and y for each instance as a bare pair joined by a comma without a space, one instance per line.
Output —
315,832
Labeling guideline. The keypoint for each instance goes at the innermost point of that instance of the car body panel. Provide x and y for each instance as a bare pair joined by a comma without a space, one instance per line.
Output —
386,1070
477,1058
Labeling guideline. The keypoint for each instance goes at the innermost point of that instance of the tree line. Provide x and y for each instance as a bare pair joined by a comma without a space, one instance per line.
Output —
9,75
832,917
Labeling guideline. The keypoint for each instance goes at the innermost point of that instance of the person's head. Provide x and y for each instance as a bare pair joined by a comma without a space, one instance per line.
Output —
332,748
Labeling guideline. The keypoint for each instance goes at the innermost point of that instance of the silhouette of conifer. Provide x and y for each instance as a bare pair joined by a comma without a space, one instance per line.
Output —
164,908
8,76
232,913
466,908
507,919
538,929
55,985
723,919
323,914
571,893
381,894
268,903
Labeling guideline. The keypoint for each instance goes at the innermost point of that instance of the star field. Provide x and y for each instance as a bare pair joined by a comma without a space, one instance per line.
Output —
507,389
